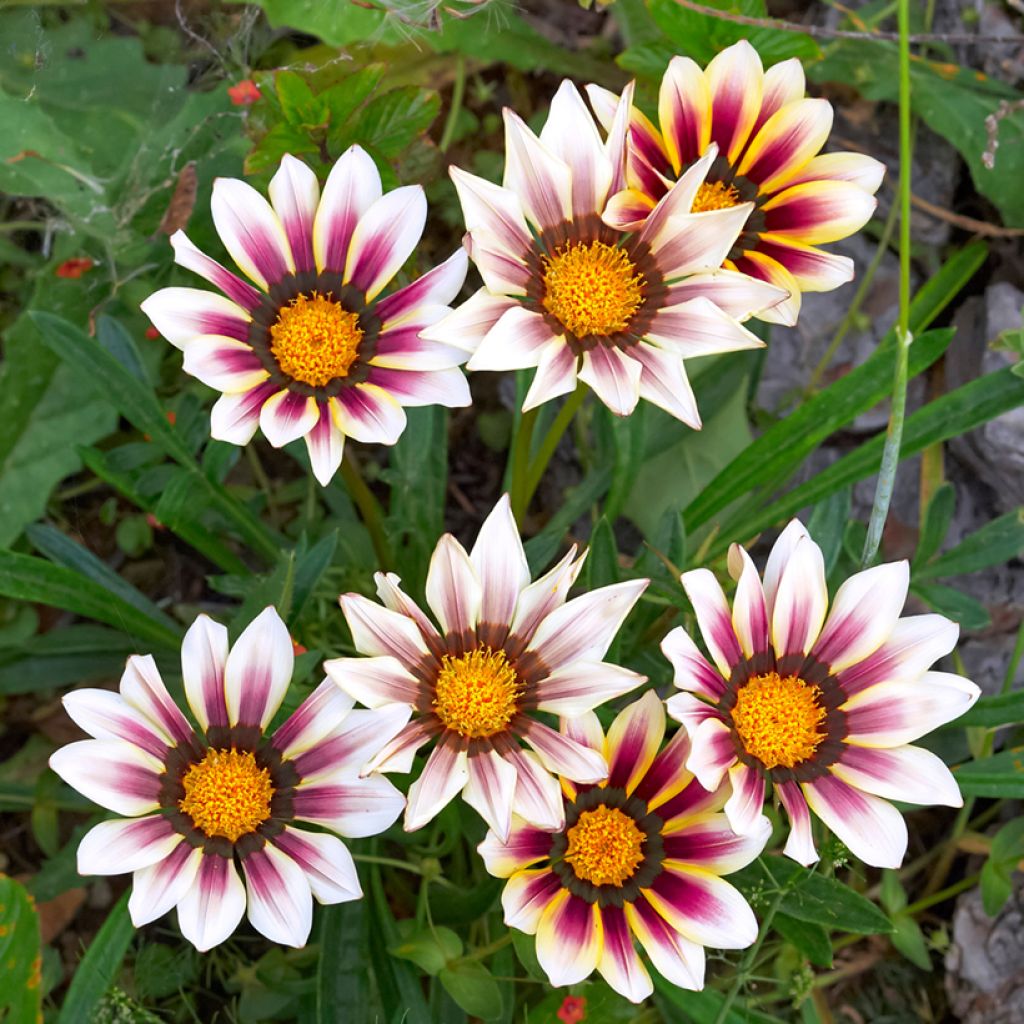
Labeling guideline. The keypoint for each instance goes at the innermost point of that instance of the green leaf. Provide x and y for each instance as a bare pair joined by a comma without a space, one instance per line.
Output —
473,987
28,578
298,103
20,956
809,939
908,938
96,971
998,541
990,712
954,604
703,1007
937,518
1004,856
429,948
390,122
162,971
602,565
1001,775
342,965
827,525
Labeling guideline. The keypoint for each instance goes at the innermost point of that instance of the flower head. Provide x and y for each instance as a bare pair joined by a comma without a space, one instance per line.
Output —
200,802
313,350
75,268
503,648
766,135
244,93
639,857
822,704
573,296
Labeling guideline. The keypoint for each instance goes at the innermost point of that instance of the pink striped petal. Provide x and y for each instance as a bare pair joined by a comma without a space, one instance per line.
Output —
677,202
911,775
663,382
783,83
437,287
384,238
555,376
892,714
564,756
234,418
158,888
183,314
544,595
760,267
667,775
713,618
108,716
377,631
444,776
698,327
583,629
743,808
616,145
493,209
447,387
800,842
800,601
111,773
582,686
295,195
619,963
395,598
542,182
736,295
280,903
568,939
538,797
709,842
516,341
354,808
114,847
211,908
143,688
684,112
466,326
675,957
857,168
525,845
628,210
489,791
863,616
818,211
914,645
287,416
224,364
713,752
692,800
614,378
347,748
325,861
325,444
251,232
735,80
526,897
699,241
690,711
787,142
203,654
778,559
749,611
814,270
873,830
503,274
571,135
370,415
693,671
585,729
633,741
500,564
453,589
703,907
258,670
399,754
188,256
320,714
375,682
352,187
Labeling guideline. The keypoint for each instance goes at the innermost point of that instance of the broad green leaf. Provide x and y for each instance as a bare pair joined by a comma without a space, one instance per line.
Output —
827,525
298,103
810,939
390,122
473,987
703,1007
20,956
429,948
1004,858
97,969
998,541
1001,775
908,938
937,518
602,565
342,984
953,603
989,712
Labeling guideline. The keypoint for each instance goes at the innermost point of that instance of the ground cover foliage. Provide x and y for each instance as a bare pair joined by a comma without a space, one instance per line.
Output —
121,520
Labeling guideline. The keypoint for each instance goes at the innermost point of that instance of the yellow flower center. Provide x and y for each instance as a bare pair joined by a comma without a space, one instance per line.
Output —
605,846
477,693
592,288
779,719
715,195
227,793
315,340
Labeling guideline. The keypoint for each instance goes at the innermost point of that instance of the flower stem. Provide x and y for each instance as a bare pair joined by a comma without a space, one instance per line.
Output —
458,91
519,457
389,862
368,505
558,427
894,435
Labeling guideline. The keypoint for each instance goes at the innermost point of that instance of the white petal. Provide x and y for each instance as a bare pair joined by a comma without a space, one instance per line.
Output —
287,416
352,187
542,182
582,686
212,906
492,782
500,564
203,654
258,670
183,314
158,888
295,194
384,239
911,775
614,377
111,773
326,862
251,232
444,776
453,589
280,903
115,847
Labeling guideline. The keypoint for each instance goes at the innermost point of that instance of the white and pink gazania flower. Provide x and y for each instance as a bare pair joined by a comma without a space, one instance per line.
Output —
313,350
200,802
767,136
821,703
503,649
576,298
639,858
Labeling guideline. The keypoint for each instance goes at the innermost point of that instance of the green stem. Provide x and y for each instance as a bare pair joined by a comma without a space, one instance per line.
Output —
894,435
458,91
485,951
942,895
520,459
388,862
558,427
368,505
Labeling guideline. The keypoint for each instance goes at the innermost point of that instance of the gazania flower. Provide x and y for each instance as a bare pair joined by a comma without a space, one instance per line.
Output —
200,802
503,648
823,707
570,295
313,350
639,858
768,137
